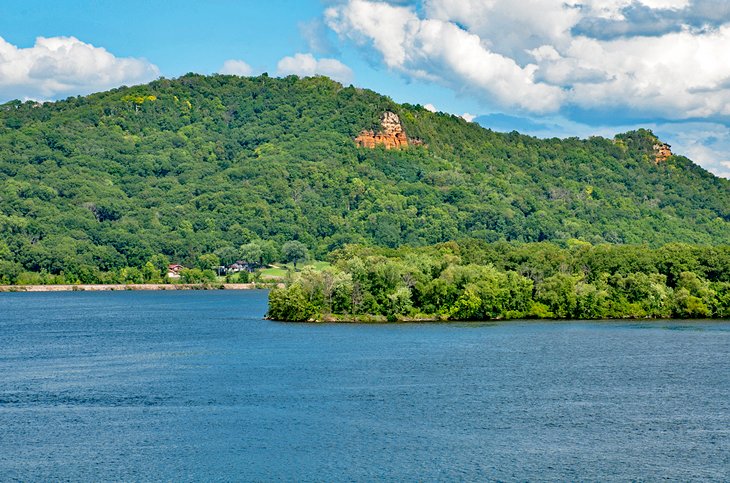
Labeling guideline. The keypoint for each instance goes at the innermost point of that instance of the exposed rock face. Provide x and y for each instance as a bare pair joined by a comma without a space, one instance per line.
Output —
391,134
662,151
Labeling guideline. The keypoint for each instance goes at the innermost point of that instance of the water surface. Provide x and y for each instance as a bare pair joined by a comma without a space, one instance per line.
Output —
196,386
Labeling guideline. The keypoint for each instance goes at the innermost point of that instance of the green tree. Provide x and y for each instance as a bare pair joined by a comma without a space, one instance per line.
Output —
161,264
227,255
294,251
209,261
9,272
270,251
399,302
290,304
559,295
5,253
196,275
251,253
150,273
467,307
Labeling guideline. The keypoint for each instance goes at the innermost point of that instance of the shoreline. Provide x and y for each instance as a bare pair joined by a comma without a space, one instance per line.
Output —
380,319
132,286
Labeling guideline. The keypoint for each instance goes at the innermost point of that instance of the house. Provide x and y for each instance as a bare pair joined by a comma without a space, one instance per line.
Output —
173,270
240,266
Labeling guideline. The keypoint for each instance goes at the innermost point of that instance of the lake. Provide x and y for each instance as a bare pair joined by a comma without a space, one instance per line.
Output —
190,386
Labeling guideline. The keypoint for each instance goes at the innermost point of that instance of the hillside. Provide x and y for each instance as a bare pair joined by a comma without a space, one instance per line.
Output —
193,165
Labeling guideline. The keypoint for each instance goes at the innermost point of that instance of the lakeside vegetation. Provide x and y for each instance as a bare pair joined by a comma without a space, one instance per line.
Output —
261,266
473,280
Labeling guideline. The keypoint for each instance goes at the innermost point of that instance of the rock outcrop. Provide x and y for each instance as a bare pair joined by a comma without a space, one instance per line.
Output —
662,151
391,134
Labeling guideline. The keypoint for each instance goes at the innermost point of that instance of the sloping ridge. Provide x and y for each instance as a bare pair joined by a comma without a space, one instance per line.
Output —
196,164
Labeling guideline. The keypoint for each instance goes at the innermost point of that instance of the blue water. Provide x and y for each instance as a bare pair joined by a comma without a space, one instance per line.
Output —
196,386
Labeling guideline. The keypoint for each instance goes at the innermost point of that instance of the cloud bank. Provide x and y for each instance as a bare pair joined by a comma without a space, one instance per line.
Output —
651,58
236,67
62,66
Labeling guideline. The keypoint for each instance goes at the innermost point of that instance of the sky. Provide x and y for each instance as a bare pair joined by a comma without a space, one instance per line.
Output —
549,68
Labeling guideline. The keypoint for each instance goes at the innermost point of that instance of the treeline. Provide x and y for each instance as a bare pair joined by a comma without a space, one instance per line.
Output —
63,268
155,270
473,280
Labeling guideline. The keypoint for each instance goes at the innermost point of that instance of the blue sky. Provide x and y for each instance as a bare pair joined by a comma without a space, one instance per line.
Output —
544,67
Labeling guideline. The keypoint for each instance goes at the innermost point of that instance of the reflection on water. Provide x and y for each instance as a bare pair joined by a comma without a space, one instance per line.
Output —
196,386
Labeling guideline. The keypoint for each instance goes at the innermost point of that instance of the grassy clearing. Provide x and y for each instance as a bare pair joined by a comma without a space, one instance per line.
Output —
281,270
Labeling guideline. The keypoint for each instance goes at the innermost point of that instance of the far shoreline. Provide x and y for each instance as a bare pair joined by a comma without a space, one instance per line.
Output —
134,286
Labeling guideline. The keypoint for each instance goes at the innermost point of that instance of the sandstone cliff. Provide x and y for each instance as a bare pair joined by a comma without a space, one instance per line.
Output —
662,151
391,134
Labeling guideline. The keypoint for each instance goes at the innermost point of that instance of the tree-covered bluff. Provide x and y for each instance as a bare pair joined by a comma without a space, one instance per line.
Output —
177,169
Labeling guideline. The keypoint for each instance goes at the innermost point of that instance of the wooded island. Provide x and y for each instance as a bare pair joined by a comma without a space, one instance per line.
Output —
473,280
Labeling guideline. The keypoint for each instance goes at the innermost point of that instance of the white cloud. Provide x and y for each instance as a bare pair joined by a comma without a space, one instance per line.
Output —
62,66
308,65
440,50
468,117
430,107
236,67
667,4
529,55
613,8
509,27
676,76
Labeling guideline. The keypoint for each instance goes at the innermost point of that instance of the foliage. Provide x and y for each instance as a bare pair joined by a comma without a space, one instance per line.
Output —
209,261
252,253
201,165
472,280
294,251
290,304
196,275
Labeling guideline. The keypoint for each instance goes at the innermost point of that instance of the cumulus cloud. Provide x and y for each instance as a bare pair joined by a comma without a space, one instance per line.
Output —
643,58
442,51
654,18
236,67
62,66
308,65
509,27
430,107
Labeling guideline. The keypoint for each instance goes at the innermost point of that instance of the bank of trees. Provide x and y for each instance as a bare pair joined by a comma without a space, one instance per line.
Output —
199,165
477,281
71,264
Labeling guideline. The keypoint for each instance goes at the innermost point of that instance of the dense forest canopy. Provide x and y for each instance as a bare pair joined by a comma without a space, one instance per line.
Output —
177,169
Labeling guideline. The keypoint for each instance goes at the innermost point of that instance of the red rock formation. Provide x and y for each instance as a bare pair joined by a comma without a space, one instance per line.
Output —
391,134
662,151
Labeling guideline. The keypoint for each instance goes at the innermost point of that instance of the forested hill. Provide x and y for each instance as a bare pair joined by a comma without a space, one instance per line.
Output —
189,166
